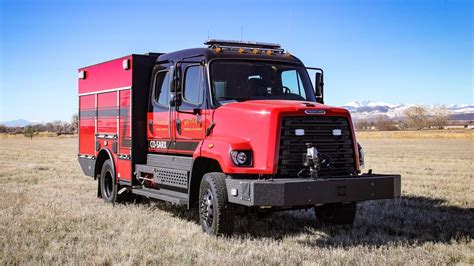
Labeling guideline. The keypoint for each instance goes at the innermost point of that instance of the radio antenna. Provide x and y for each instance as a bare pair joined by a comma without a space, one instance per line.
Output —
241,33
288,38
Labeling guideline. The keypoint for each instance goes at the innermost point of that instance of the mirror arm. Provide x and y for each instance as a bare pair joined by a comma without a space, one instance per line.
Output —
319,84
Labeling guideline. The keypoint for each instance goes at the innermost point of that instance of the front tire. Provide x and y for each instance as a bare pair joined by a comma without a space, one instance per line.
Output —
336,213
216,214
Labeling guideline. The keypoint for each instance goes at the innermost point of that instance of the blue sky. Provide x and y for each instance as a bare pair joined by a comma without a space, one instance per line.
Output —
392,51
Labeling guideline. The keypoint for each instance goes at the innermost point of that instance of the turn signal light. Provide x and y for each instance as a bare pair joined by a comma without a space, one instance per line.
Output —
255,51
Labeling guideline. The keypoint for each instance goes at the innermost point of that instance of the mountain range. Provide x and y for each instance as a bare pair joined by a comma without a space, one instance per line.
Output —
371,109
359,110
21,123
18,123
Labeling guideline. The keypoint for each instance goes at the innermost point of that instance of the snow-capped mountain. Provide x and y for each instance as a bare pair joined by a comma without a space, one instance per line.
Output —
371,109
20,123
16,123
356,104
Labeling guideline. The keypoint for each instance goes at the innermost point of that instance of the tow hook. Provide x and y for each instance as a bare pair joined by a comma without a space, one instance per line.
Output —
313,160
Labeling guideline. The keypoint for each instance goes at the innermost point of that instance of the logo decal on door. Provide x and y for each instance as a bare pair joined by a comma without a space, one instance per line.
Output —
157,144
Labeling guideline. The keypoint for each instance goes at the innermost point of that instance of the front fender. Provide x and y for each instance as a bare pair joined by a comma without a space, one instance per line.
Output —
219,148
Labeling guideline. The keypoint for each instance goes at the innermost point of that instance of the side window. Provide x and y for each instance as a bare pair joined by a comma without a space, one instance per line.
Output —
162,88
291,80
192,90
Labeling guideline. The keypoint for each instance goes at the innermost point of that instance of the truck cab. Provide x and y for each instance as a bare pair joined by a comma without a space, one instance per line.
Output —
232,128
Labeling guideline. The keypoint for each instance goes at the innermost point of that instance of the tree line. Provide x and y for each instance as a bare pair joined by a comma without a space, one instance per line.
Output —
58,127
416,118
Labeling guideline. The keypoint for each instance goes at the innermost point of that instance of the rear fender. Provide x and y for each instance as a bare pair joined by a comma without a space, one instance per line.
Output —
102,156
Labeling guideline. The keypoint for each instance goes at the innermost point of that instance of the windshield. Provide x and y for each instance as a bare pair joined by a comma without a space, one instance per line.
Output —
252,80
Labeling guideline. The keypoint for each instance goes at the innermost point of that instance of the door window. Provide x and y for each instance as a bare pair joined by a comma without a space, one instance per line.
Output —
162,88
193,85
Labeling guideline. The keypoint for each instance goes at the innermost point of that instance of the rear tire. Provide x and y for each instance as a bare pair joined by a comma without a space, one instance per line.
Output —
108,183
216,214
336,213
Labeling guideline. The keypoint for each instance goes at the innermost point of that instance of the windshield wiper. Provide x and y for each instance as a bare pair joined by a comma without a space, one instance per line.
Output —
232,98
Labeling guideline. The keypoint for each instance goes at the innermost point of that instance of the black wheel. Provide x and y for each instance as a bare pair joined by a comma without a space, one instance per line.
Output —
336,213
108,184
216,215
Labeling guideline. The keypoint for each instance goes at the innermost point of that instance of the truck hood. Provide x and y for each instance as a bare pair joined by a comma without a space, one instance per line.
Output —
256,125
260,106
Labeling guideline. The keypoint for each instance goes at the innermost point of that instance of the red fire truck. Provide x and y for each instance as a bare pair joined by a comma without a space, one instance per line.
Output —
232,128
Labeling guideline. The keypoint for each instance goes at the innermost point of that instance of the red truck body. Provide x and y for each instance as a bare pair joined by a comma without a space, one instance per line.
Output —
106,119
164,149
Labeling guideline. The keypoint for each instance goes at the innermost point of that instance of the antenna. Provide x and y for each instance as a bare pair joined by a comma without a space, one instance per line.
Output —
241,33
290,18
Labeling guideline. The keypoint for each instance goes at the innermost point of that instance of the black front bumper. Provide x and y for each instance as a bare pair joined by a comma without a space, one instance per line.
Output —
303,192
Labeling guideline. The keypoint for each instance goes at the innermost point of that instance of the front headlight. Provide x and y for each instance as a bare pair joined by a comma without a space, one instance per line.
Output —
361,156
241,158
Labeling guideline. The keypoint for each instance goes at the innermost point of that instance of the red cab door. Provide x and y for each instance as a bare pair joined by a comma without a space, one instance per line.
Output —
190,118
159,113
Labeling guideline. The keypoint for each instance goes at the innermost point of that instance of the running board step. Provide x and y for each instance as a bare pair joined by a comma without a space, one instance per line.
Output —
162,194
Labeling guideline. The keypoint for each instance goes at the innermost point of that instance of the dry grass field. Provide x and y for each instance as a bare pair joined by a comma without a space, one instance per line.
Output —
49,213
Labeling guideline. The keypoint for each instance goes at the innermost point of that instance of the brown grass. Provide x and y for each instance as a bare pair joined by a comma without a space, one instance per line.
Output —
49,213
419,134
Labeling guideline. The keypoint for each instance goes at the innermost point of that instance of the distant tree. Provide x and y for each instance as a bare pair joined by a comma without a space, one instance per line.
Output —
39,127
74,125
3,129
417,117
17,130
402,125
384,123
440,117
57,126
49,127
60,127
363,125
30,132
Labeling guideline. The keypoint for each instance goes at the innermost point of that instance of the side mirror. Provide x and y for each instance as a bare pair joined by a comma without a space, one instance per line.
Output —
319,87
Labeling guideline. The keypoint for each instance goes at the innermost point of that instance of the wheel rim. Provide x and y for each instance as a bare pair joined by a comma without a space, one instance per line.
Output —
207,208
108,184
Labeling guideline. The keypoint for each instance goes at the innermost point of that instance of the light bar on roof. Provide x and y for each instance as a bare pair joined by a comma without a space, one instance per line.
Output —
244,46
214,42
